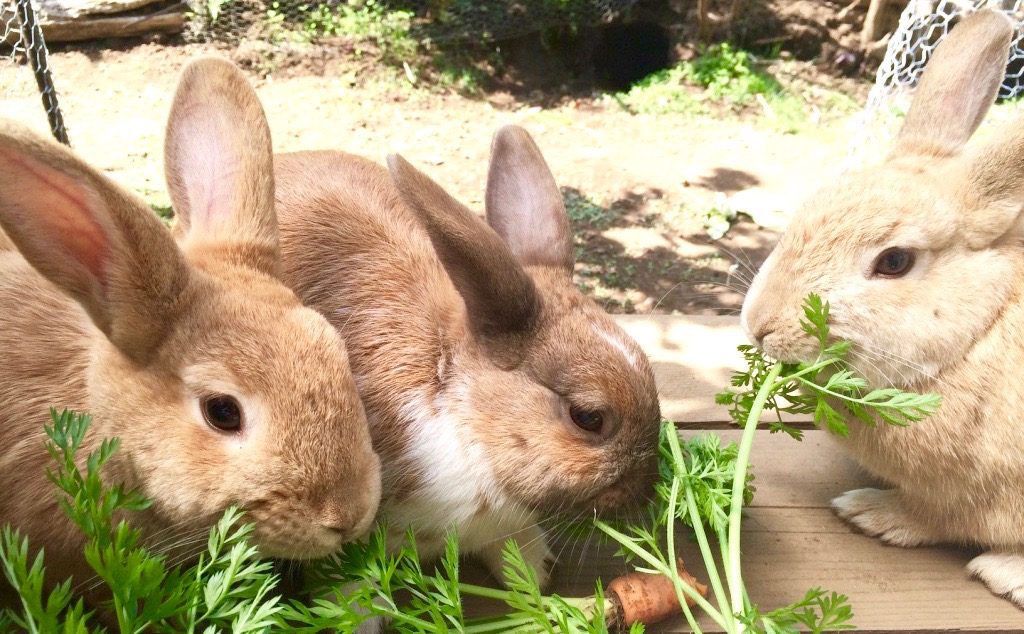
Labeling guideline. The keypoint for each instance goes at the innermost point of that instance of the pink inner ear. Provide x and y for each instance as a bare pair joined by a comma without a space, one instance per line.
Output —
209,166
59,210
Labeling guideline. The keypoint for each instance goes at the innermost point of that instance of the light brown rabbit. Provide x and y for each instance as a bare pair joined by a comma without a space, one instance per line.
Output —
222,387
922,261
496,392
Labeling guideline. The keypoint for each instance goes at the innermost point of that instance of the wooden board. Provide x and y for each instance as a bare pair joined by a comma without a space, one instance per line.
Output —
791,539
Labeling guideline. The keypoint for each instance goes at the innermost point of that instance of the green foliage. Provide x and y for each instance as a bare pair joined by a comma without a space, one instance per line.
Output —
358,20
39,613
705,486
725,75
365,580
584,212
668,91
825,388
228,589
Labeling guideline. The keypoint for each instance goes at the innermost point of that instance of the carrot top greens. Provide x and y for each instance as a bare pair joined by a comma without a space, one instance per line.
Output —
703,486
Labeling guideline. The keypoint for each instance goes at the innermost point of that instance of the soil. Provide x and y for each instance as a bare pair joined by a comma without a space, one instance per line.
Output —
637,185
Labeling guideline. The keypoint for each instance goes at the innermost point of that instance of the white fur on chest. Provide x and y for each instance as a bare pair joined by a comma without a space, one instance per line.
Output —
457,486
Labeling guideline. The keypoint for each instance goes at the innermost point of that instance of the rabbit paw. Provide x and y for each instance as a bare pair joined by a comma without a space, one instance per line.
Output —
882,514
534,546
1002,572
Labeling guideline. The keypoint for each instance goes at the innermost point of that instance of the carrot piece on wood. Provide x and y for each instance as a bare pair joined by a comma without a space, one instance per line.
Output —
648,598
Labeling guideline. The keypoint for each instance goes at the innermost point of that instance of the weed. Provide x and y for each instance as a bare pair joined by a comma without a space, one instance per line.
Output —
726,74
664,92
363,21
584,213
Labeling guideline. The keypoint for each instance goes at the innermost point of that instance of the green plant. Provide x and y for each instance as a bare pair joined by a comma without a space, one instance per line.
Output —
359,20
726,73
667,91
584,212
228,588
706,486
395,586
367,20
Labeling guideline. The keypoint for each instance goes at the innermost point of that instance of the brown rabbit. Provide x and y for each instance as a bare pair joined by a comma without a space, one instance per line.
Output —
922,261
496,393
222,387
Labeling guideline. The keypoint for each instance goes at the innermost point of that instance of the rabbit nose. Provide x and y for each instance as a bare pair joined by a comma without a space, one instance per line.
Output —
336,517
762,331
350,512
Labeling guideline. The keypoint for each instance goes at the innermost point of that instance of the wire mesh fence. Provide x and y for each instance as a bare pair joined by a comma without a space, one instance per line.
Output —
23,43
435,20
923,24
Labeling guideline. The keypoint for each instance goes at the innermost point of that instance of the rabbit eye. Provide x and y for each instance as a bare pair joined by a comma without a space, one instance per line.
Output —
587,420
222,412
894,262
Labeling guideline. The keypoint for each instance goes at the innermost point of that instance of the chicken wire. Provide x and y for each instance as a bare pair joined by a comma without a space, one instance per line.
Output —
922,26
233,21
23,42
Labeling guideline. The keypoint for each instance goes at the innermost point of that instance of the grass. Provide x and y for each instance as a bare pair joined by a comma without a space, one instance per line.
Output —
726,79
721,74
586,214
368,21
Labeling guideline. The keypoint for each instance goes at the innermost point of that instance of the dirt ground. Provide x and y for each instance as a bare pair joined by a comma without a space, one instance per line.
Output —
637,186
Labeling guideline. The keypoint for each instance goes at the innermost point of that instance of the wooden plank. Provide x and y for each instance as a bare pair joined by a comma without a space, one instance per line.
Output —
792,542
121,26
693,357
55,10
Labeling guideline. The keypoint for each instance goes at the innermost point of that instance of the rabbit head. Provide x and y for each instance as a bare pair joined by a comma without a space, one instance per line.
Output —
560,400
917,256
223,389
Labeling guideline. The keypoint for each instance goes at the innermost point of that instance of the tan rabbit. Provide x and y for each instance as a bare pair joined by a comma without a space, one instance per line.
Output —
496,392
922,261
222,387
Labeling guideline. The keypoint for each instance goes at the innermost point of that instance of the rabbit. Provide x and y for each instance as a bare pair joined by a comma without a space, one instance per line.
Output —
921,259
496,393
221,386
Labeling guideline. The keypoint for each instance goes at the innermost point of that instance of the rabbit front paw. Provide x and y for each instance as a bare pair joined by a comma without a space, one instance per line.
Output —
533,544
882,514
1002,572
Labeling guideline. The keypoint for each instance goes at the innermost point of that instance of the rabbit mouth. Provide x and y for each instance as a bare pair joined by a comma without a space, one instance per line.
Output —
310,544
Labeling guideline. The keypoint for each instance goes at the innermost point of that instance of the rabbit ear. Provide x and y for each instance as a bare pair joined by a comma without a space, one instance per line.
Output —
524,204
501,299
958,86
992,196
219,166
101,245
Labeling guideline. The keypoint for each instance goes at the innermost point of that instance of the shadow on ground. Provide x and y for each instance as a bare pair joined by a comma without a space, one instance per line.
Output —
632,258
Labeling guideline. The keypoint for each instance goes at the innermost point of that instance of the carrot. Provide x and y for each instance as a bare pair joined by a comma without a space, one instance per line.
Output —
647,598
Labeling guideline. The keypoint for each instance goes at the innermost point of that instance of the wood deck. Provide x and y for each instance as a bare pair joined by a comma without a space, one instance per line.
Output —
791,539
